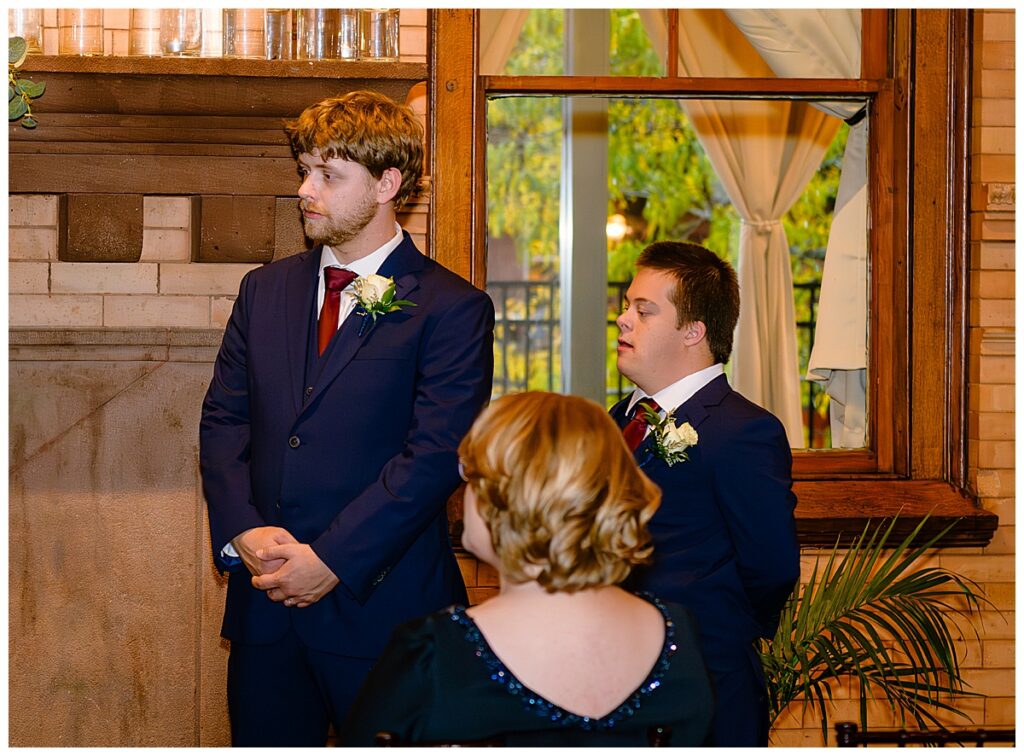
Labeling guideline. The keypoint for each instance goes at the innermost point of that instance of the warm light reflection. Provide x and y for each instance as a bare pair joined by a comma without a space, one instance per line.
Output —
616,227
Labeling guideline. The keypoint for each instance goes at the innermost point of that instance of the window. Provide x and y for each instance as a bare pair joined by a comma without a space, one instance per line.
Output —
918,216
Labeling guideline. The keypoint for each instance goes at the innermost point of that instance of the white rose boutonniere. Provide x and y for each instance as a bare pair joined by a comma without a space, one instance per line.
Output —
375,295
670,441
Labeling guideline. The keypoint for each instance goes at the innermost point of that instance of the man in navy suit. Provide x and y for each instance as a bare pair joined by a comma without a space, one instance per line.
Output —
329,431
725,537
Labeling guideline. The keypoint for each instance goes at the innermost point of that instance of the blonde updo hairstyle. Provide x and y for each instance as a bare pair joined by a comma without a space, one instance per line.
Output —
565,503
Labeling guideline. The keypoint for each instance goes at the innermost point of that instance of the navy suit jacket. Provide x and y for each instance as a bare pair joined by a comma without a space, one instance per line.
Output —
358,459
724,537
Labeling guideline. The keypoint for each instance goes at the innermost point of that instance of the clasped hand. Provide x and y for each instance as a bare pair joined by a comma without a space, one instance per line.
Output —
289,571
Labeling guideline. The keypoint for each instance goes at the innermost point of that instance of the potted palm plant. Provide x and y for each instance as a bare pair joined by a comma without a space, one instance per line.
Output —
872,615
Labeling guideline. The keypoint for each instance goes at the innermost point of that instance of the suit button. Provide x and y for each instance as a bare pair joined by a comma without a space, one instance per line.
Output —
309,390
294,442
277,504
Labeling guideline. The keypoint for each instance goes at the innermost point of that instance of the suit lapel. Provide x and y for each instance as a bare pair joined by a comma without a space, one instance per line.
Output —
403,264
693,411
300,296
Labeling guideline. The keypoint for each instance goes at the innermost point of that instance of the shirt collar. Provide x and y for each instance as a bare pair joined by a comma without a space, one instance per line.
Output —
364,266
675,394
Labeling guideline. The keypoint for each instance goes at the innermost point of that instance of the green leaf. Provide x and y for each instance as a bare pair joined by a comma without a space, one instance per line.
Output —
16,108
33,89
17,50
10,92
838,626
29,122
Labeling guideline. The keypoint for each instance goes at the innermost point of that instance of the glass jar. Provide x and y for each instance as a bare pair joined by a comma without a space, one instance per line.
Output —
378,30
144,31
348,34
244,33
25,23
278,24
316,33
80,31
181,31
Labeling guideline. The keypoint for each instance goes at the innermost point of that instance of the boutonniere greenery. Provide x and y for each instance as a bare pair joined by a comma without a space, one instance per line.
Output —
375,295
670,441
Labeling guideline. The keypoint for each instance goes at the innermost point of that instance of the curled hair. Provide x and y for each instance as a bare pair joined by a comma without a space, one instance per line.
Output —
706,290
565,503
366,128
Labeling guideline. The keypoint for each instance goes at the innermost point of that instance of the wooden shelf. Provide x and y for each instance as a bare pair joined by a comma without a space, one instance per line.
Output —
230,67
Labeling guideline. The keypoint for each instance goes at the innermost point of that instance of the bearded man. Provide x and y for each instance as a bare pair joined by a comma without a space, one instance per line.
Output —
347,376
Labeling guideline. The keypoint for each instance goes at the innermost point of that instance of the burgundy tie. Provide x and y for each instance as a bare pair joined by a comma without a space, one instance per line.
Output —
636,428
335,281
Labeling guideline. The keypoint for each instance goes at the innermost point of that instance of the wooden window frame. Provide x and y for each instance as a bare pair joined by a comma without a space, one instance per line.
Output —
916,72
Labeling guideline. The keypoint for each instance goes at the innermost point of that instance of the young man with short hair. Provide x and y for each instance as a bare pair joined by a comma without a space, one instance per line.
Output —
329,431
725,537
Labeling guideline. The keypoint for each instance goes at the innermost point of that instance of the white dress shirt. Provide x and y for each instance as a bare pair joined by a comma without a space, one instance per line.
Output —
673,395
364,266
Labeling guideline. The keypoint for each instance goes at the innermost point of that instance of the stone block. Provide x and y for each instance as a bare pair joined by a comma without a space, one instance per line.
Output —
997,54
412,41
108,658
103,228
1002,595
116,18
991,426
1000,711
994,111
993,284
979,568
119,42
33,210
995,398
993,140
167,244
103,278
412,17
69,310
220,311
995,482
993,255
993,168
236,229
28,277
32,243
167,212
201,278
997,83
152,311
289,238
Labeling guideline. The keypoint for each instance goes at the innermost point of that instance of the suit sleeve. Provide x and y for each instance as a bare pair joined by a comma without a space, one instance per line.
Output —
398,693
753,482
224,435
453,383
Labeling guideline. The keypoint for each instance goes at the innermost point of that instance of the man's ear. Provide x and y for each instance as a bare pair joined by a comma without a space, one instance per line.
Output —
388,185
694,333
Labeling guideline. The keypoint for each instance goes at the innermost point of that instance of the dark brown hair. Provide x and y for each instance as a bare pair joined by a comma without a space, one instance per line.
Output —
366,128
706,290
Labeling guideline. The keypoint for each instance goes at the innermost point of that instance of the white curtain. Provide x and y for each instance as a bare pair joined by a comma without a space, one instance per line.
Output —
764,152
827,44
499,32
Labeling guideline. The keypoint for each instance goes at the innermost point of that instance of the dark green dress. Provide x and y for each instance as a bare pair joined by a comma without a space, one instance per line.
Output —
439,681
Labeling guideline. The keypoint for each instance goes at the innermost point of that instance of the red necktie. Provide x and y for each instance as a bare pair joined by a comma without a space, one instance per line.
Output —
335,281
636,428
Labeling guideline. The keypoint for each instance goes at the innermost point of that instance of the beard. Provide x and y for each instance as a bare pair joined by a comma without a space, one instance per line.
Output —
342,227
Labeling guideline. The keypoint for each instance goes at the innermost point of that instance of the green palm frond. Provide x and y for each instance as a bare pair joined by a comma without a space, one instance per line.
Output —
872,616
